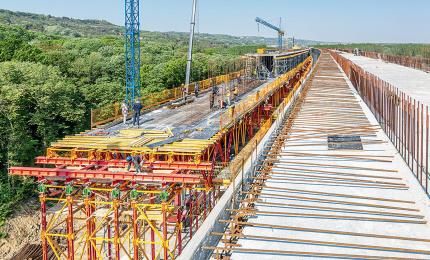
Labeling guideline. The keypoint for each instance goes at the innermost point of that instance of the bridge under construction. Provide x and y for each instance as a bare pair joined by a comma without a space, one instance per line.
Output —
287,154
94,205
323,160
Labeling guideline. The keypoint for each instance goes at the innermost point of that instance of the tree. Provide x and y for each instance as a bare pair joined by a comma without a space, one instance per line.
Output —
14,40
37,106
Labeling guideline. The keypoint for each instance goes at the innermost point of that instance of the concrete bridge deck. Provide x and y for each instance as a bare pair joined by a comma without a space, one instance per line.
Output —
333,186
413,82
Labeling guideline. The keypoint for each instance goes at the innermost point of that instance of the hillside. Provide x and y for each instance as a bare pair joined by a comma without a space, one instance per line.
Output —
58,25
65,26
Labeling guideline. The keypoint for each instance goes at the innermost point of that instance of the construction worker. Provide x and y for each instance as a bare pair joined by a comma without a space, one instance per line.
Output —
228,94
213,95
129,161
196,89
184,92
211,100
235,92
124,110
136,160
137,106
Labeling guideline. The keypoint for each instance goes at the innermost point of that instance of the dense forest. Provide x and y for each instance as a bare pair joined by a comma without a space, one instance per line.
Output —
417,50
49,81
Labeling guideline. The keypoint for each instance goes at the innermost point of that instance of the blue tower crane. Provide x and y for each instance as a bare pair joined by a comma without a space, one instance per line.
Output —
132,51
281,33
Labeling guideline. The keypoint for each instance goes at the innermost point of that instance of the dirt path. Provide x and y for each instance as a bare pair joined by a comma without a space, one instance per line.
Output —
22,228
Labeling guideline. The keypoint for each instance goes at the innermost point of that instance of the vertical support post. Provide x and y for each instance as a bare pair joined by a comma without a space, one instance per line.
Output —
413,121
152,236
179,221
197,209
165,241
90,228
191,212
70,232
109,235
205,205
427,148
109,244
116,238
42,198
135,232
420,136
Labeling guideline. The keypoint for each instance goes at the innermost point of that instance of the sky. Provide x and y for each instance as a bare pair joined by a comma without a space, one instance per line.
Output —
324,20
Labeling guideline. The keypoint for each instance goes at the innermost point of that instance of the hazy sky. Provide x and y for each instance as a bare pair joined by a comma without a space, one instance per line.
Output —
325,20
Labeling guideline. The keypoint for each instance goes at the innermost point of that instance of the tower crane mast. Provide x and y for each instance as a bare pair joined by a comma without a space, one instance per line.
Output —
132,51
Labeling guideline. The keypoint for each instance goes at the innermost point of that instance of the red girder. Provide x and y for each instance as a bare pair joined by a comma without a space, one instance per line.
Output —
122,163
229,143
106,175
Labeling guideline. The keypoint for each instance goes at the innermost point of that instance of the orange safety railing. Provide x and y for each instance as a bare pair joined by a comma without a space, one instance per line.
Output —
407,61
404,119
412,62
112,112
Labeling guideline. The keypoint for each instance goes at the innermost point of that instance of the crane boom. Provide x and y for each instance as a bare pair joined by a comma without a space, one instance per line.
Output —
190,45
132,51
281,33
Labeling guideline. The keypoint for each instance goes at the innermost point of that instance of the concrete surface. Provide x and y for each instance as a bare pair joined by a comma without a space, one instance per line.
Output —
415,83
365,169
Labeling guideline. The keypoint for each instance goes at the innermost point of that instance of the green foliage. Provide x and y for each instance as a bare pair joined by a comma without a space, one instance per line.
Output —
37,106
15,44
13,190
40,106
62,26
419,50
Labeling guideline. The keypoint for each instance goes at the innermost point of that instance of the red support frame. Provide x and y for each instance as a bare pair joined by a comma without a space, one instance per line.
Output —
229,143
113,176
70,230
135,232
89,209
203,166
117,234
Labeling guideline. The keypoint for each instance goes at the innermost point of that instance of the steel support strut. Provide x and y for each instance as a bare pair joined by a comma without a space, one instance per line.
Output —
70,231
42,198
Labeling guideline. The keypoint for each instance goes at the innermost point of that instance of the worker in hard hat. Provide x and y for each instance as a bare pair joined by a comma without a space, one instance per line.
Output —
136,160
124,111
137,107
